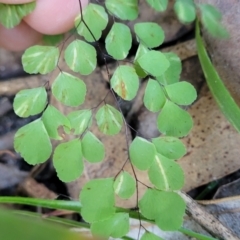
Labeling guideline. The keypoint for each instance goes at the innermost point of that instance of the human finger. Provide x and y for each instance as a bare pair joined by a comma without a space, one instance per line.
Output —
15,1
18,38
55,16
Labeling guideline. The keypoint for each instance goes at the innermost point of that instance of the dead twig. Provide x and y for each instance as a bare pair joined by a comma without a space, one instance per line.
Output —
220,200
207,220
36,190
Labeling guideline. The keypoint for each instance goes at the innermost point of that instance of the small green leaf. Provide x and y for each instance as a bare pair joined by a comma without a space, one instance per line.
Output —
169,147
140,51
174,121
52,40
150,236
81,57
30,102
12,14
109,120
158,5
166,208
149,203
116,226
40,59
185,10
154,97
211,17
125,82
33,143
139,71
118,41
53,119
154,62
67,160
92,148
125,10
149,34
97,198
142,153
172,75
125,185
80,120
96,18
166,174
69,90
181,93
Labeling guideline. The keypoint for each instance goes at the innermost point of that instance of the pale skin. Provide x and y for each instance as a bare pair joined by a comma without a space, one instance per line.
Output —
49,17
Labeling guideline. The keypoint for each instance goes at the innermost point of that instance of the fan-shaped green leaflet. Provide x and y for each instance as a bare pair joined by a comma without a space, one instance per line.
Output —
40,59
142,153
166,174
210,18
140,51
116,226
103,208
109,120
158,5
53,119
169,147
172,74
118,41
125,82
28,102
69,89
150,236
95,18
161,206
80,120
181,93
154,63
125,10
12,14
185,10
67,160
33,143
92,148
124,185
149,34
174,121
81,57
154,96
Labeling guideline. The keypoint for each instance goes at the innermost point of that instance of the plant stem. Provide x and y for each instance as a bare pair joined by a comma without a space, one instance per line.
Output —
76,207
195,235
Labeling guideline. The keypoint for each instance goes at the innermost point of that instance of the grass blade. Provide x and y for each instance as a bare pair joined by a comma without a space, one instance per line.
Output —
219,91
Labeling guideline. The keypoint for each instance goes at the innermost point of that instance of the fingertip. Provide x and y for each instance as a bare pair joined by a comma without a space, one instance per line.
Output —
18,38
55,16
16,1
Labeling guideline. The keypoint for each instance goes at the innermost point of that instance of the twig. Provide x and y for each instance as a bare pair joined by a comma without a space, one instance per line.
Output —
220,200
207,220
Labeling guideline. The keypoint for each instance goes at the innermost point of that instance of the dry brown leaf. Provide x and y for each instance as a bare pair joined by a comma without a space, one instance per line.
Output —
212,145
228,190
